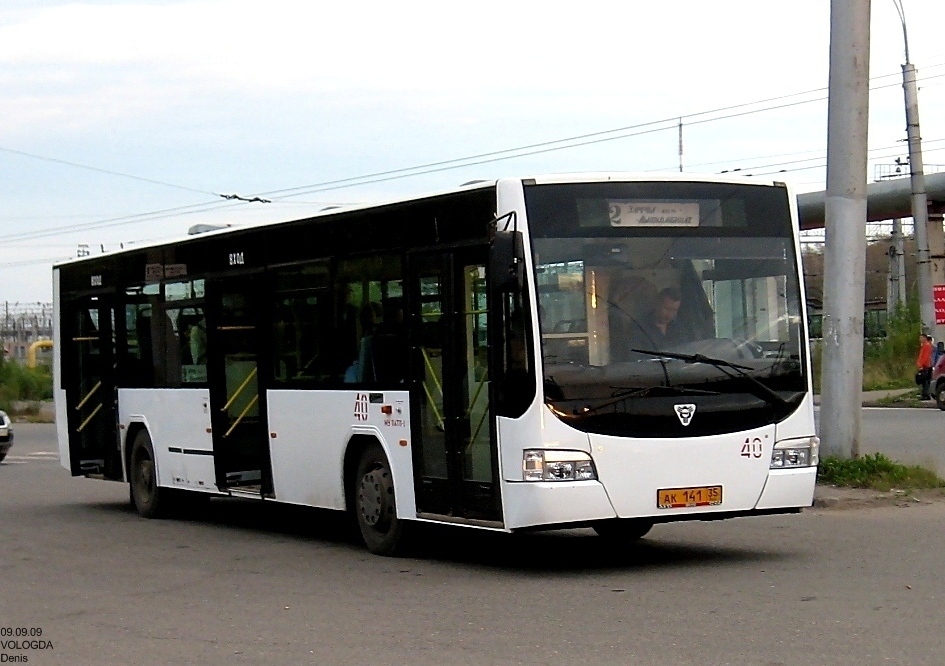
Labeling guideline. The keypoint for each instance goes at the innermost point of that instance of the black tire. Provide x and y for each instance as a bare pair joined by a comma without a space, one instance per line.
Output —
149,499
374,507
940,396
623,530
3,455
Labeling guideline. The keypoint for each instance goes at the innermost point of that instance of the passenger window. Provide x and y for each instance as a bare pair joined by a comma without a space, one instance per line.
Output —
188,338
137,346
301,324
176,331
371,340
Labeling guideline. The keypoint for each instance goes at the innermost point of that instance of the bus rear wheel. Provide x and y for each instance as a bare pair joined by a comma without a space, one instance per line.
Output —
149,499
623,530
374,506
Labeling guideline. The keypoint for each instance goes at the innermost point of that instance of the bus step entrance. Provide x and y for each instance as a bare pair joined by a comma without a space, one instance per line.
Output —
252,491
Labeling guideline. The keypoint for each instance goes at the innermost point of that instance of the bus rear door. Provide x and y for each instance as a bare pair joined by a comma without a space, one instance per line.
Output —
89,380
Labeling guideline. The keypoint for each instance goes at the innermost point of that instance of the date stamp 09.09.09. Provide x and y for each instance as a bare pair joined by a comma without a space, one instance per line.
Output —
17,644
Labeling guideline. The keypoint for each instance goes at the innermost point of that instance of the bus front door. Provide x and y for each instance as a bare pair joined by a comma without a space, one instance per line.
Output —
89,379
455,455
238,419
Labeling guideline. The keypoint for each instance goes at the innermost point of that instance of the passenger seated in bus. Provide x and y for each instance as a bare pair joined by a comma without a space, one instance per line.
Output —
381,348
370,317
194,339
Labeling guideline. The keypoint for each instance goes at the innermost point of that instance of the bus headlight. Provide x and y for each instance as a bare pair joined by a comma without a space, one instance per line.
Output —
801,452
554,465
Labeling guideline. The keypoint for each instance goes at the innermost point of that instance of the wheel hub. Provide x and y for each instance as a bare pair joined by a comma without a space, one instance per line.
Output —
146,478
374,495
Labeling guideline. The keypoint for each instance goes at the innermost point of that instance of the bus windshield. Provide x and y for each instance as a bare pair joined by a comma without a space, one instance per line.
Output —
652,295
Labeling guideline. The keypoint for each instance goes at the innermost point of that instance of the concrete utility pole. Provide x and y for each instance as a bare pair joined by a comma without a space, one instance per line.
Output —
930,243
845,211
896,287
680,145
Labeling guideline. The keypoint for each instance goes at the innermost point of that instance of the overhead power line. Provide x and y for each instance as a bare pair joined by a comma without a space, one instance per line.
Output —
629,131
671,123
110,172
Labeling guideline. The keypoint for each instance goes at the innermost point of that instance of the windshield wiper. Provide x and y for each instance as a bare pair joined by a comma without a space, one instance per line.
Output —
763,391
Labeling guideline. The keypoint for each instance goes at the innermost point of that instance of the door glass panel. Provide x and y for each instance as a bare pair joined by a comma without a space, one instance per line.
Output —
431,349
478,454
90,398
240,443
92,413
456,457
238,340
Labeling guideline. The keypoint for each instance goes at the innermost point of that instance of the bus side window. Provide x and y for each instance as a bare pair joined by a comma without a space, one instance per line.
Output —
301,324
369,320
169,352
136,369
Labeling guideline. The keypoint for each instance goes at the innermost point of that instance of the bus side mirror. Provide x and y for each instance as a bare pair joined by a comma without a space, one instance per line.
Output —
507,262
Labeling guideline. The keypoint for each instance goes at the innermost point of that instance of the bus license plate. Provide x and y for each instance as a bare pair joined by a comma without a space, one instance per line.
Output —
680,498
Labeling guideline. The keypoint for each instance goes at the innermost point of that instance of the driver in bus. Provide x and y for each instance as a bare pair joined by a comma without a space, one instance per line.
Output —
659,329
651,327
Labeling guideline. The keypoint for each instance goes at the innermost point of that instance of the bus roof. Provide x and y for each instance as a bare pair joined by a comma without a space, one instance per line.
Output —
547,179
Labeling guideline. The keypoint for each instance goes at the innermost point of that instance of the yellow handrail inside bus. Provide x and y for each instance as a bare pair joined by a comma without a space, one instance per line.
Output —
89,417
238,391
436,412
479,385
479,426
89,395
239,418
436,383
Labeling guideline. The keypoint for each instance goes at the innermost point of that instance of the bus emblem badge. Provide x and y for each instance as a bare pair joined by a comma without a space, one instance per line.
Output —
685,413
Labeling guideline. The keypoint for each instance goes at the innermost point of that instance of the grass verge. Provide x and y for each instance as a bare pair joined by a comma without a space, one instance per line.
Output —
31,412
905,399
877,472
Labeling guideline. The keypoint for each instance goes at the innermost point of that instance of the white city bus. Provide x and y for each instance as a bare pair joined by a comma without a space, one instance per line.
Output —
604,350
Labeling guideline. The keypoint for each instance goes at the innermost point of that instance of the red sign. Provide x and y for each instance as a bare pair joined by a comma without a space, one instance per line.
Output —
938,296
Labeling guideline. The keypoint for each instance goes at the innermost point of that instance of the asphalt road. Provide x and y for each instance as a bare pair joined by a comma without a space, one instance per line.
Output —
253,584
912,436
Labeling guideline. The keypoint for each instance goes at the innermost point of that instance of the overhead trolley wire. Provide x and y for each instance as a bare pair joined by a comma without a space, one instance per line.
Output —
601,136
110,172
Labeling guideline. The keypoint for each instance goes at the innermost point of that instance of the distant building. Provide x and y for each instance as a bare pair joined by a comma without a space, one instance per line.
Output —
22,324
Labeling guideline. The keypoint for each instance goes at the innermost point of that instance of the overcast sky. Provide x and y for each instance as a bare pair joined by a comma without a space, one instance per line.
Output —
114,112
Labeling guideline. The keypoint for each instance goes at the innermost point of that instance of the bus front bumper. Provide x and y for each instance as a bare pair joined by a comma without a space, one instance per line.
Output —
577,503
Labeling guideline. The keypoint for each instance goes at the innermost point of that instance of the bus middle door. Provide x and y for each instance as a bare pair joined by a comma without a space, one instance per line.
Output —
237,403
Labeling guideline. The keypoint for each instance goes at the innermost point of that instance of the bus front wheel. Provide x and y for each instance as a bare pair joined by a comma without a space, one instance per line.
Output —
623,530
374,506
149,499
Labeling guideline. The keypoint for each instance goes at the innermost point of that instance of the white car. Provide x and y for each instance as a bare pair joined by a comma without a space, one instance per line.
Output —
6,434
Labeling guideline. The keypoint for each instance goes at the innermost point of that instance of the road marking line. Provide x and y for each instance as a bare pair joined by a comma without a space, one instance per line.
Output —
42,455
